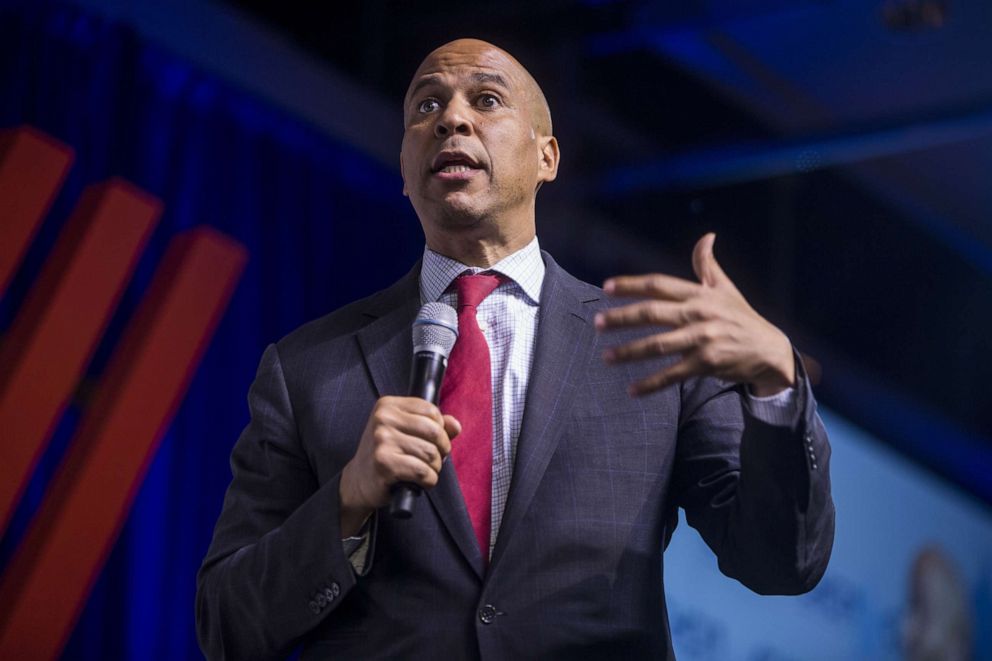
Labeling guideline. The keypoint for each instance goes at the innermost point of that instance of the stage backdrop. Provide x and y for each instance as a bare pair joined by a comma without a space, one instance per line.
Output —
324,225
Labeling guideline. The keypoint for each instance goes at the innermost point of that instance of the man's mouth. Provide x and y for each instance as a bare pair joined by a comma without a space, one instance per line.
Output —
450,162
455,167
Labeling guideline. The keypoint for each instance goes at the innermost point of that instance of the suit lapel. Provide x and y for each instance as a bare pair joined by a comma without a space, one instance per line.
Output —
386,343
565,338
387,347
448,502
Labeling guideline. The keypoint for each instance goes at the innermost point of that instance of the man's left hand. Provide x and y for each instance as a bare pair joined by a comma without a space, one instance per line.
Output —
710,324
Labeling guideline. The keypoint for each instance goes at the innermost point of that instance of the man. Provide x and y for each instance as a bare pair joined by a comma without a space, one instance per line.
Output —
592,439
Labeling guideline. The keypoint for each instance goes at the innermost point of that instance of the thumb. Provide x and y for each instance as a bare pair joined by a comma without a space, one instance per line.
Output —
704,263
451,425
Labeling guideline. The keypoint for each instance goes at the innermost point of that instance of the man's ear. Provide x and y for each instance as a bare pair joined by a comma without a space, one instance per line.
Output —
547,165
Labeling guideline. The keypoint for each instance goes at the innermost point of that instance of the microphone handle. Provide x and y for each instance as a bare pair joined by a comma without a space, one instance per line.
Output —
425,382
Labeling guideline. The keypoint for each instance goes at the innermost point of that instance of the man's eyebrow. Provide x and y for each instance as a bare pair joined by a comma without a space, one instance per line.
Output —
422,83
480,77
493,78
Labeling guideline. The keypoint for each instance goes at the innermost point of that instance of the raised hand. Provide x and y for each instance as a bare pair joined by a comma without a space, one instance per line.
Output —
709,324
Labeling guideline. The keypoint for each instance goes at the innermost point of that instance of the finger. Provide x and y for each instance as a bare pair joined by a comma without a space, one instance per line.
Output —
680,371
654,285
388,408
646,313
428,453
453,427
653,346
419,426
704,263
409,446
419,406
407,468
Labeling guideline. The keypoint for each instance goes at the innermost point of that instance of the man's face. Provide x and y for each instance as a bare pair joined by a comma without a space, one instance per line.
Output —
471,152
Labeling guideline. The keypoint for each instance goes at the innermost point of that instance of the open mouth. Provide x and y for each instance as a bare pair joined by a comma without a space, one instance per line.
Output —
455,167
453,163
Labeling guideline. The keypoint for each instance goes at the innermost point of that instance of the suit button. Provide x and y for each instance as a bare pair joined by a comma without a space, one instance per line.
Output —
487,614
328,594
321,599
314,607
335,589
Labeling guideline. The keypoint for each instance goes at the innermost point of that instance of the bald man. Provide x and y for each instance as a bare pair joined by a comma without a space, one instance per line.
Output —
603,418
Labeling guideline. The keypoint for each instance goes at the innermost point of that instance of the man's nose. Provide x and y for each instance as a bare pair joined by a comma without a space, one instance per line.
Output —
453,120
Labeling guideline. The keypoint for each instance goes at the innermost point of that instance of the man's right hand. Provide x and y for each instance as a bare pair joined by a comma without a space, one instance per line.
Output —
405,440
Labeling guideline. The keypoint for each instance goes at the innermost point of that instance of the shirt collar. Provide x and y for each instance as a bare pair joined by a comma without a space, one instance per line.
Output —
524,267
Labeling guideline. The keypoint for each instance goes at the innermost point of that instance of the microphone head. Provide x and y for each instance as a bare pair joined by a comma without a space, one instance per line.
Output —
435,329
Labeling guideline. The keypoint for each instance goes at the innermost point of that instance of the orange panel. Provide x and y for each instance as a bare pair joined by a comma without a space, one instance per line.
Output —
49,578
55,333
32,168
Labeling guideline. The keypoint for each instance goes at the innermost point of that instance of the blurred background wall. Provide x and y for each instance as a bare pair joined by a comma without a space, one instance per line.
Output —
841,150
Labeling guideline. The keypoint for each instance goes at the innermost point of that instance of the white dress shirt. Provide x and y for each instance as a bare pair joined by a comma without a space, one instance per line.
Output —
508,319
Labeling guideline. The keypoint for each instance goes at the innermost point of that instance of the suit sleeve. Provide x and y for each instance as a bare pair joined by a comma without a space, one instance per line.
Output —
759,494
276,566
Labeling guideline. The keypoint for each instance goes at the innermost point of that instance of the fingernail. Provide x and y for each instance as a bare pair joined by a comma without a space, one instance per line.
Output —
600,321
608,286
609,355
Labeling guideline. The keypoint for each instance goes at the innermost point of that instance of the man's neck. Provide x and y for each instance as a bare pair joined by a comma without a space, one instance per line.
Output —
480,253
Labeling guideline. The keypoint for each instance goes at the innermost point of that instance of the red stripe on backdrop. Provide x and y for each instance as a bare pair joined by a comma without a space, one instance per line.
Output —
49,579
32,168
51,341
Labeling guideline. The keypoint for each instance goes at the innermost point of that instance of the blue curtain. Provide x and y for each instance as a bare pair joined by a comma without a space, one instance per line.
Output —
324,225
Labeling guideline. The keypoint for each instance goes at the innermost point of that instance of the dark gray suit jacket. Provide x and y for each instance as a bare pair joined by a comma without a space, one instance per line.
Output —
577,567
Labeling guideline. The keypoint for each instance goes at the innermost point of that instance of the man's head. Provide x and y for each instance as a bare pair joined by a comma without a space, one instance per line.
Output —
477,144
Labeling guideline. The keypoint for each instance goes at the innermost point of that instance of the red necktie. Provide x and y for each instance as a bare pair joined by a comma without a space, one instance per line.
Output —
467,394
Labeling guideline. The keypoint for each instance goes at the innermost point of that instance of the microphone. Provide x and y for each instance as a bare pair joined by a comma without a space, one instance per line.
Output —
434,333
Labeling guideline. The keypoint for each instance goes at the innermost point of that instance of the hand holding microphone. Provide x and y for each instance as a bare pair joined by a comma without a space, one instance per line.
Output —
434,335
406,438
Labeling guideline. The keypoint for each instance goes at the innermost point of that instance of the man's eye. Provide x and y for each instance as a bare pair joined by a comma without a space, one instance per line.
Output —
488,101
428,105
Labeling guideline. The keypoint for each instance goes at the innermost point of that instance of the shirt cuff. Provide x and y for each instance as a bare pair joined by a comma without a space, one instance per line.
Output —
780,409
357,548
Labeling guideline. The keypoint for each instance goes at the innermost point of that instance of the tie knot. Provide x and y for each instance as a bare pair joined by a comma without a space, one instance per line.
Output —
473,289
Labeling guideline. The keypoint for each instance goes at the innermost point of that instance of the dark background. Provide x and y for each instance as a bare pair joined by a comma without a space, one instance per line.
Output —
841,150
